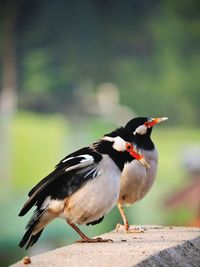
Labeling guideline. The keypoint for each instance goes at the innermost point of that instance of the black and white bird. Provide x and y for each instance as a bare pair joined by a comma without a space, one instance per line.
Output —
83,187
135,181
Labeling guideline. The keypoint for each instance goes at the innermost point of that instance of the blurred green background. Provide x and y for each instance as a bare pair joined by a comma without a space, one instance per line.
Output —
70,71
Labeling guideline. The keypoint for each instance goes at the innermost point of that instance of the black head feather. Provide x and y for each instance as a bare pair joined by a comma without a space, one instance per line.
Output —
142,141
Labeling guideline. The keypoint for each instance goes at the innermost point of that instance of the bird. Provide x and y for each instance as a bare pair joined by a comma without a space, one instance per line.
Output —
135,182
82,188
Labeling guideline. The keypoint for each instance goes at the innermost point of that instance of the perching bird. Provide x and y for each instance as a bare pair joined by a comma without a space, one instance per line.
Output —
136,181
82,189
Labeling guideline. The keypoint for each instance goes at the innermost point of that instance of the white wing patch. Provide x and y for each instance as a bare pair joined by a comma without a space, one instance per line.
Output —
88,160
64,160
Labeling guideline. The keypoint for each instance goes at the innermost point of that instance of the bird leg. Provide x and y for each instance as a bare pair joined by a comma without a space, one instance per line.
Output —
125,220
86,239
126,226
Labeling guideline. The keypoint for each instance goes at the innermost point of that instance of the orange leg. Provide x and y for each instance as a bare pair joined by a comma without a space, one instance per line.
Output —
123,214
86,239
126,225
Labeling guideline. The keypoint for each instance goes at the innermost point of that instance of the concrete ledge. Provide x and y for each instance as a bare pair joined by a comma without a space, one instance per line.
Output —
157,246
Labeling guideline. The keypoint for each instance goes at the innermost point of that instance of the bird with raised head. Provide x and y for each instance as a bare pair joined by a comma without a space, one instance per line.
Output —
135,181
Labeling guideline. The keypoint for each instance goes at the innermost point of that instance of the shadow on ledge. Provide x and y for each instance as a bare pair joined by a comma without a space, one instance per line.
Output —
187,254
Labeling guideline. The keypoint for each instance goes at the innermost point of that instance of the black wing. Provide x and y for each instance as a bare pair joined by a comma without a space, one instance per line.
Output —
68,161
70,174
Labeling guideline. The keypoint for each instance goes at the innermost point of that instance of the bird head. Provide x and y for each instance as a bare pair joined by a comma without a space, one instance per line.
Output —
120,145
143,125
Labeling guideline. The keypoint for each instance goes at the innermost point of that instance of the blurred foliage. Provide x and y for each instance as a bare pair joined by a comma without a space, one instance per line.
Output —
36,141
148,49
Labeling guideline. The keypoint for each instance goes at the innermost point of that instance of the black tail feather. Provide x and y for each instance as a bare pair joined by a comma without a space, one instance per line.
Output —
27,206
29,238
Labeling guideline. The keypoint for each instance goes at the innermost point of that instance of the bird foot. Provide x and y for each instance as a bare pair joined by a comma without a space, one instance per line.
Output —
128,229
94,240
136,230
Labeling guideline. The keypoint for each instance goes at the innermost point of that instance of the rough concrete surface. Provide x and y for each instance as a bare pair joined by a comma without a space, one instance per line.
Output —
157,246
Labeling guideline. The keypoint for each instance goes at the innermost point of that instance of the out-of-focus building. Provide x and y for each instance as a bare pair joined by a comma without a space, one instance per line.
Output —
105,102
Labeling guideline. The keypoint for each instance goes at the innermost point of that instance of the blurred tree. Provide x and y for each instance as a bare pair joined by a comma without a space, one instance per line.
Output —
149,49
8,89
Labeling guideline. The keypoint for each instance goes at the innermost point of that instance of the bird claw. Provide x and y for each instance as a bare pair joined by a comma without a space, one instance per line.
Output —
135,230
94,240
117,228
128,229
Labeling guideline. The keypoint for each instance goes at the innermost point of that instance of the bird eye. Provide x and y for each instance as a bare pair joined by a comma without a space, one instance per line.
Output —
146,123
128,146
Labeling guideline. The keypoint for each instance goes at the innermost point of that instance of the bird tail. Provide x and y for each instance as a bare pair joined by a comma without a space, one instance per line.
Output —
32,234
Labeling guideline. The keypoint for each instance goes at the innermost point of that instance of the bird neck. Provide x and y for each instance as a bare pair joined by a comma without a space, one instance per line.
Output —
144,142
120,158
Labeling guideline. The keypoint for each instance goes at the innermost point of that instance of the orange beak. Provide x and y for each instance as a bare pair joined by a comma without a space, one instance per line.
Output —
154,121
131,150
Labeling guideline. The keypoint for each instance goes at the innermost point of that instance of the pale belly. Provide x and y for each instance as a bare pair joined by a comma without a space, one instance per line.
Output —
136,180
97,197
